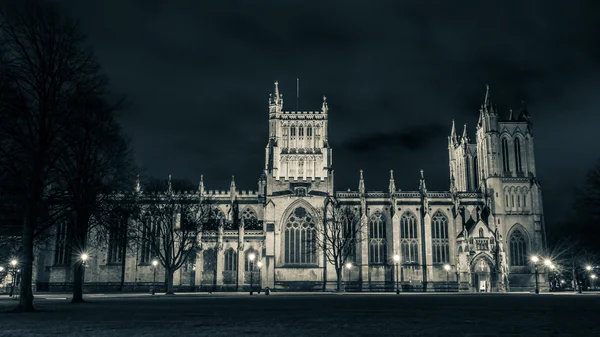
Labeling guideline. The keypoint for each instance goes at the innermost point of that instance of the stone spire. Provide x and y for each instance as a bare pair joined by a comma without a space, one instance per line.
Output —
510,115
232,191
453,136
487,100
170,187
422,186
324,108
277,92
392,183
201,185
361,183
138,187
465,135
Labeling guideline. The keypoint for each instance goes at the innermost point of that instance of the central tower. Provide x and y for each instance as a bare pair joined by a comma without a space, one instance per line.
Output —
298,156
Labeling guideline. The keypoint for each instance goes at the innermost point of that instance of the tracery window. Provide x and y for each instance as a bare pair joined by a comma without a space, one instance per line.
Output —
439,237
377,239
409,244
518,155
62,255
230,260
518,248
505,156
300,238
250,219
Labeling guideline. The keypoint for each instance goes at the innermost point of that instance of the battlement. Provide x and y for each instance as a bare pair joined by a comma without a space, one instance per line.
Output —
303,112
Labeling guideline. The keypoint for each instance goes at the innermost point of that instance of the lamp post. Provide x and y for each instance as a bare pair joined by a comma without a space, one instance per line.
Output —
447,268
251,257
349,267
84,258
593,278
397,260
154,264
259,265
535,260
13,263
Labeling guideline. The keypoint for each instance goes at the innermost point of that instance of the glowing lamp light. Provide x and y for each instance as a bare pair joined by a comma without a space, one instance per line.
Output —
84,257
397,258
534,259
447,267
348,265
154,263
588,267
252,257
547,262
259,264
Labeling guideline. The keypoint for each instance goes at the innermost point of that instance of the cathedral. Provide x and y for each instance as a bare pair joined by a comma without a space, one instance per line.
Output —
476,237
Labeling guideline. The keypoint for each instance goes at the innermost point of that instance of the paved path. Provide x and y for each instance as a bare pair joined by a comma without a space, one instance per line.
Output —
308,314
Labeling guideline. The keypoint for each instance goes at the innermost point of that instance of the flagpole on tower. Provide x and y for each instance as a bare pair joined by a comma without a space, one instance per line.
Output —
297,92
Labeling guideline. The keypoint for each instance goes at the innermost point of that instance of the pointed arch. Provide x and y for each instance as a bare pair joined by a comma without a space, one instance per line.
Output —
505,155
250,219
409,240
439,238
377,238
518,246
299,234
518,161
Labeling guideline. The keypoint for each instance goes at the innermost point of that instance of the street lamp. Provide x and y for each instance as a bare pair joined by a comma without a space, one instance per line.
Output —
588,268
447,268
535,260
84,258
593,278
13,263
397,260
259,265
349,267
154,264
251,257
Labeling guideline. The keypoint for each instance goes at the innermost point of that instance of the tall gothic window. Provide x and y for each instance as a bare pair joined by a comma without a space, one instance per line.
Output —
309,131
230,266
209,260
230,260
116,244
518,249
475,174
351,219
468,173
505,157
62,254
377,241
146,247
518,155
293,131
439,238
300,238
409,244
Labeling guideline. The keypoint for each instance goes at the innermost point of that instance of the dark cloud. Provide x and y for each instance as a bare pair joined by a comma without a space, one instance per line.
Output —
396,73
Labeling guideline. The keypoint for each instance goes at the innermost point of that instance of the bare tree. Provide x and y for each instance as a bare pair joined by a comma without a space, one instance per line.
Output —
338,235
43,62
169,225
95,162
587,205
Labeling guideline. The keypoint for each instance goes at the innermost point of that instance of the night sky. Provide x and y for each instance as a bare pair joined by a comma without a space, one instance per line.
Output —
396,73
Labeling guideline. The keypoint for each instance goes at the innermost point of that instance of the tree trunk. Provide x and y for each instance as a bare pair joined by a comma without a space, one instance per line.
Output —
26,266
169,272
340,276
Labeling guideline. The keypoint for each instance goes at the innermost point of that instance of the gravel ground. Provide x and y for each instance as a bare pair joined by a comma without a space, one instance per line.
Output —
308,315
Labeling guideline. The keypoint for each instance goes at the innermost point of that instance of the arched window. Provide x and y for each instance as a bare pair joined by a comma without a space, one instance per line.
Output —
518,155
293,131
309,131
210,260
439,238
230,267
62,255
300,238
250,219
230,260
409,243
250,265
300,131
377,241
518,249
468,173
475,175
505,158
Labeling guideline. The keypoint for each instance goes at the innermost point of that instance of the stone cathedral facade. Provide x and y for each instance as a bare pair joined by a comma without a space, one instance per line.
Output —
477,236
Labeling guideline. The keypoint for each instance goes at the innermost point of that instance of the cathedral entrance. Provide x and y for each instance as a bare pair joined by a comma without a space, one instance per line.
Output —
481,276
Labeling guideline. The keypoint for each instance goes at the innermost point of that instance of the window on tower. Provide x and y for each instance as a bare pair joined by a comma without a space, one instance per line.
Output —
300,131
505,157
309,131
292,131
